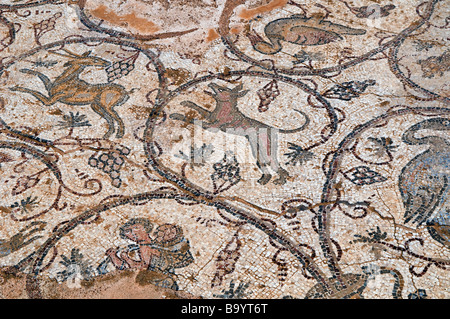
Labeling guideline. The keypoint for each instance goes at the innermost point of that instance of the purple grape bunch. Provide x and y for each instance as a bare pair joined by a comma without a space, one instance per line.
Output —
111,162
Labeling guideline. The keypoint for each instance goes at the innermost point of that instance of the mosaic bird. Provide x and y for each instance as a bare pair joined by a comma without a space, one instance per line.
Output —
298,29
424,181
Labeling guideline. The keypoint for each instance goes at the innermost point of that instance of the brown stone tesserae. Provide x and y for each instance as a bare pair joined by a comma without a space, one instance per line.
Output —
224,149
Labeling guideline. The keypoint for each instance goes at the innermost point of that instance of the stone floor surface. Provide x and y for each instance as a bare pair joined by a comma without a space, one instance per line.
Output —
240,149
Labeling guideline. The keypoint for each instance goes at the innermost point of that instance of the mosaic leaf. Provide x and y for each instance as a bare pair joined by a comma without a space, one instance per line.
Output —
363,175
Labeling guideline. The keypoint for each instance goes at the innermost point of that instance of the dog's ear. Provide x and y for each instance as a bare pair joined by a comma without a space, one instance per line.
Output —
238,88
242,93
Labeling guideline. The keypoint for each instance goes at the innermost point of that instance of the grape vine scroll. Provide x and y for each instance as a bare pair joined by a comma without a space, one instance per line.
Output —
115,111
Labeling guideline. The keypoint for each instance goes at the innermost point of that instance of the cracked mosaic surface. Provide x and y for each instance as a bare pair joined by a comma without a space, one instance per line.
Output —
224,149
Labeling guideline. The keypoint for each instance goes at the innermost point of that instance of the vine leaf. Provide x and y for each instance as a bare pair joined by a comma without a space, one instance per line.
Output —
45,64
373,11
298,155
26,205
73,120
383,145
304,56
348,90
198,156
226,173
419,294
362,175
75,265
374,236
233,292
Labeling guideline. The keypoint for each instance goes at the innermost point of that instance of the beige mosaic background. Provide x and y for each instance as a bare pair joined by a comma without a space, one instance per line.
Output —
224,149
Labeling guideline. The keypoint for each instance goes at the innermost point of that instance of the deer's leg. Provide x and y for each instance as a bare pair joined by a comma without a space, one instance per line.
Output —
97,108
261,161
107,101
276,167
26,228
5,248
29,241
204,113
268,151
266,176
42,77
41,97
282,175
116,117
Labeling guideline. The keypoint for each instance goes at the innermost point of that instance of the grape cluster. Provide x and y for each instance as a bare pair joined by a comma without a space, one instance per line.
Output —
111,162
120,68
45,26
267,95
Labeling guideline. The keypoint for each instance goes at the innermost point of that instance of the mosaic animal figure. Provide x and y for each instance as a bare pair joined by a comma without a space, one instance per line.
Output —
373,11
355,284
425,181
298,29
158,256
69,89
229,119
21,239
435,65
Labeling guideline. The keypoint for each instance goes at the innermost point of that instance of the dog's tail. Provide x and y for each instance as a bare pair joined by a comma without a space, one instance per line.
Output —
298,129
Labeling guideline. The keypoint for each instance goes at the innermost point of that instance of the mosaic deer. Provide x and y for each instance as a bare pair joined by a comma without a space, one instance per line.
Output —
227,118
69,89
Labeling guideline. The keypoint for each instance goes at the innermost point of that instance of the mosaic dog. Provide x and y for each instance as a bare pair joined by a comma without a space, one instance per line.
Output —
227,118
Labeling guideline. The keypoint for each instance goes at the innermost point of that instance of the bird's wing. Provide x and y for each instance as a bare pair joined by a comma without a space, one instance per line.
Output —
421,189
440,233
4,248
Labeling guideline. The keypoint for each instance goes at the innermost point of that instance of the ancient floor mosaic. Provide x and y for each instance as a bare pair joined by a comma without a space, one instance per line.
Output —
224,149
